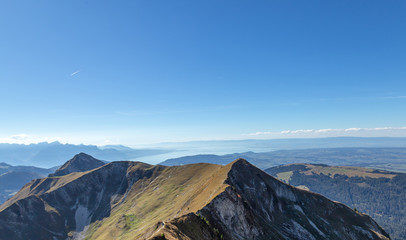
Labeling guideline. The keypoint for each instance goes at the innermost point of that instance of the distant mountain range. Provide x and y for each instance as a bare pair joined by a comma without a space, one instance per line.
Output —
134,200
380,194
48,155
380,158
4,168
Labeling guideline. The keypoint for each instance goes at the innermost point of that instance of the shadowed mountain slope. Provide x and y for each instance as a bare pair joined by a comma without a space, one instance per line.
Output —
133,200
11,182
13,178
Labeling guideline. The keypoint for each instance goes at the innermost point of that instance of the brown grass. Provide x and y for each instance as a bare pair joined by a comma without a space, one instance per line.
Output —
176,192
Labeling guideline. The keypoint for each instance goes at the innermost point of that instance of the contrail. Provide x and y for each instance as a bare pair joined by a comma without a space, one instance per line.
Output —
74,73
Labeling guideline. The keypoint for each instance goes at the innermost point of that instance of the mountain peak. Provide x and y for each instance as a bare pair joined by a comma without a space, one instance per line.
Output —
240,162
82,155
79,163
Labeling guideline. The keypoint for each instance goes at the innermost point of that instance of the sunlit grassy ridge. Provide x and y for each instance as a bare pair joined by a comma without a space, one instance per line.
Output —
177,191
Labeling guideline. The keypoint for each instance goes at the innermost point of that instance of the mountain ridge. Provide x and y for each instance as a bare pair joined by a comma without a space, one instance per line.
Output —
130,200
55,153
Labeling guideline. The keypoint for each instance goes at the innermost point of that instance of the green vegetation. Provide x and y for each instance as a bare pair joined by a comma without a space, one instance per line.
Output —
92,228
285,176
131,221
215,230
203,218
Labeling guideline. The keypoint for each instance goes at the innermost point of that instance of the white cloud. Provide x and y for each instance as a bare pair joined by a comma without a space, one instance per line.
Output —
352,129
331,132
297,131
20,136
16,138
23,138
325,130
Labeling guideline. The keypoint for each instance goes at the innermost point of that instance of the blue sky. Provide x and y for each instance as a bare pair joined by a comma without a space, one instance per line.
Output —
136,72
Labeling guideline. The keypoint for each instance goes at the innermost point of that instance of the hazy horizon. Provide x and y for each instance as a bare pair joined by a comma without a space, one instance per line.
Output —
52,154
290,135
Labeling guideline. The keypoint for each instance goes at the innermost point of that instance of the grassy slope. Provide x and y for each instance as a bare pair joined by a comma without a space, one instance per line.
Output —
176,192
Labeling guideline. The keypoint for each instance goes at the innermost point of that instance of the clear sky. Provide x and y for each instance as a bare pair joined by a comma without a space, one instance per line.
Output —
136,72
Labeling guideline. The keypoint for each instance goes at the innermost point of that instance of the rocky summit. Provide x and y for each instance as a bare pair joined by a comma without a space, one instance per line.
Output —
133,200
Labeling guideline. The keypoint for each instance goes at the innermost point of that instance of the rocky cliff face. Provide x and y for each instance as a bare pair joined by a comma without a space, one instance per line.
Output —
129,200
380,194
79,163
